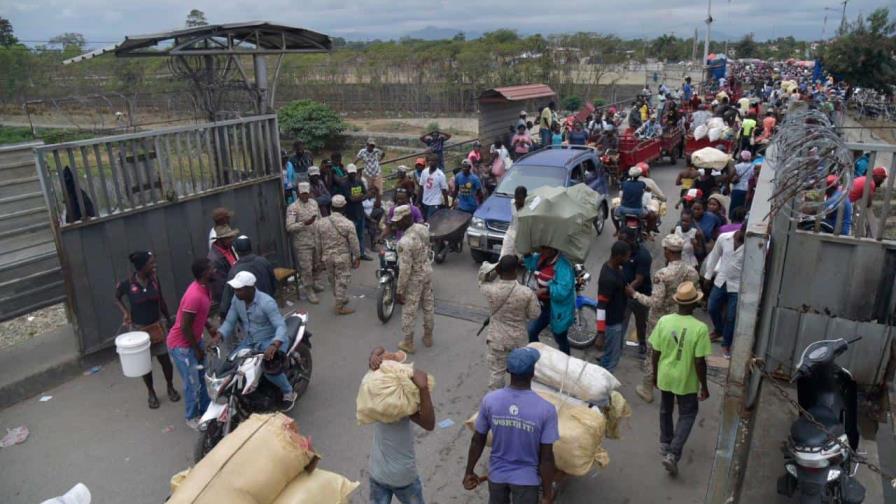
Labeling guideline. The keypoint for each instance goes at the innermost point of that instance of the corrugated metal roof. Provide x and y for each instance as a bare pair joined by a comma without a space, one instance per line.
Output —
258,36
518,93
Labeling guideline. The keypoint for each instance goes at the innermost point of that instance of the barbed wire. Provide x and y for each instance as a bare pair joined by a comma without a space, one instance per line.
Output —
807,152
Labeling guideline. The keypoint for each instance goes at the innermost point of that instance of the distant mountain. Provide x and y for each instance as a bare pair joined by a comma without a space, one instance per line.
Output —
434,33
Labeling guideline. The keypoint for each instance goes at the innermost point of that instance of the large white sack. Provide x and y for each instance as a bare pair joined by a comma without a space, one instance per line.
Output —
700,132
580,379
715,134
715,122
710,157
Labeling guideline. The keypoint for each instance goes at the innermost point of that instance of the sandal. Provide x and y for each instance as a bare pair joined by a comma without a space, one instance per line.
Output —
173,396
153,402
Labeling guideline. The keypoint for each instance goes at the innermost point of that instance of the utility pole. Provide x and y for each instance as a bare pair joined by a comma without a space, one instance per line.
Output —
843,18
694,48
706,43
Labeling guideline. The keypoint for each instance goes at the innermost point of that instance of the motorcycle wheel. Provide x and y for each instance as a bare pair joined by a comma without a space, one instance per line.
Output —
600,220
208,439
300,372
385,301
582,332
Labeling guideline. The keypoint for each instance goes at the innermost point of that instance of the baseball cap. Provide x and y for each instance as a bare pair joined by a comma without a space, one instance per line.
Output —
242,279
313,170
351,168
371,141
466,162
400,212
419,162
402,169
880,171
304,187
634,172
521,361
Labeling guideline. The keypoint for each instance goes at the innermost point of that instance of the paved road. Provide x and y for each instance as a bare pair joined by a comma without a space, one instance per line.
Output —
97,430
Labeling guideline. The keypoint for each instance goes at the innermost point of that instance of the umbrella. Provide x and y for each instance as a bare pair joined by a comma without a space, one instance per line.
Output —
558,217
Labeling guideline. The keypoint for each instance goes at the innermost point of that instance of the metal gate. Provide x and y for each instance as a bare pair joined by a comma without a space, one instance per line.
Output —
154,191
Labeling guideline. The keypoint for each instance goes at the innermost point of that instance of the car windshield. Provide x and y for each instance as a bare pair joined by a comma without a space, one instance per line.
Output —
532,177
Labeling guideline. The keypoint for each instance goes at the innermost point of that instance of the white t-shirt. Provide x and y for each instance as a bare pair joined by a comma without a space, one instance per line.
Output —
433,184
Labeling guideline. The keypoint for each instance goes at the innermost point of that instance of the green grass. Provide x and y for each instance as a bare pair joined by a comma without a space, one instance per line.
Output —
14,134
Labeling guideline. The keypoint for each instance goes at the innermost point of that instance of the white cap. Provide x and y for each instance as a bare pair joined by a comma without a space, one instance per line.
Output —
79,494
242,279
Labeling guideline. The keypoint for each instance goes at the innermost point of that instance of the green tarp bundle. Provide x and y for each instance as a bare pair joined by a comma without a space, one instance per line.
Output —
558,217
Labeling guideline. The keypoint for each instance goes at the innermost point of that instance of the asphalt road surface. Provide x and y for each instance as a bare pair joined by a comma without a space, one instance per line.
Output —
97,429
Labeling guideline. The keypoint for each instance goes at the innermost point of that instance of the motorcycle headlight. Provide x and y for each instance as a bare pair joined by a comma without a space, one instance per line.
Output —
390,256
213,384
477,223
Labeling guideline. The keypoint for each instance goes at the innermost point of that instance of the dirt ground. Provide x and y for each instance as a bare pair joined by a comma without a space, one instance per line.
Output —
464,126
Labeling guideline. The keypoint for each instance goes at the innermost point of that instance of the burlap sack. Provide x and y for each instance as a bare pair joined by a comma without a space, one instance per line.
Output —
317,487
387,395
617,410
581,434
251,465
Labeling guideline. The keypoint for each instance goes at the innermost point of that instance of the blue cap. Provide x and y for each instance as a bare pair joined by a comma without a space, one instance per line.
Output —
521,361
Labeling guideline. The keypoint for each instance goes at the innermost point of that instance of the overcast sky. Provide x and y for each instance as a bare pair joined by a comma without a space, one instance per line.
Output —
110,20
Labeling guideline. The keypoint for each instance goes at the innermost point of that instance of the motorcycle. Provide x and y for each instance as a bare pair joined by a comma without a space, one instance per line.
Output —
236,388
817,461
583,330
388,280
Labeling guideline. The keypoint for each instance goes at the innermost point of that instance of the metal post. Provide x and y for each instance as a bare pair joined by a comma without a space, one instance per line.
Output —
706,43
261,83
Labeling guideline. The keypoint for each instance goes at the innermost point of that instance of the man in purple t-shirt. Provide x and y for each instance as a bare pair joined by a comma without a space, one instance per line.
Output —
524,429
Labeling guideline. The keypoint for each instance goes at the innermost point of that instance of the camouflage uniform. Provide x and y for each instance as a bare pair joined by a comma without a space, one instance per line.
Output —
665,282
415,283
305,244
338,245
511,307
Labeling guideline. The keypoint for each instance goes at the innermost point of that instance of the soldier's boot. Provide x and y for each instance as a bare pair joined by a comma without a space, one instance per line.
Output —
312,296
407,344
318,287
645,389
427,339
341,309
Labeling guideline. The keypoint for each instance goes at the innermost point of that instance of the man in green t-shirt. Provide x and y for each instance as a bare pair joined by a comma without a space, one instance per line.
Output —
680,345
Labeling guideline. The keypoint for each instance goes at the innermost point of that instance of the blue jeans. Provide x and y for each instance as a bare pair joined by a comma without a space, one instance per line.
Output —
612,347
280,380
723,323
428,210
544,320
359,228
738,199
545,135
196,398
382,494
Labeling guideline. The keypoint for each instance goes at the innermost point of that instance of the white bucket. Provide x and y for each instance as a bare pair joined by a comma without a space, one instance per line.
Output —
133,352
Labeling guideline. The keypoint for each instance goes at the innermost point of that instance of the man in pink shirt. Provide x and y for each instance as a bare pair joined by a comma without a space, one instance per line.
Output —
521,141
185,340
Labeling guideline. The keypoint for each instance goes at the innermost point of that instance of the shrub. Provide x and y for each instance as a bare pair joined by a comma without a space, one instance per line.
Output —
312,122
571,103
599,102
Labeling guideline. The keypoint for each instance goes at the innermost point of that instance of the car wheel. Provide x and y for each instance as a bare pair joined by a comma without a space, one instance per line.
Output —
601,219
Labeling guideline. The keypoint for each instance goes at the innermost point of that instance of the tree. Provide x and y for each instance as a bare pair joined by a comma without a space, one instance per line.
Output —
863,55
69,41
746,47
315,123
196,18
7,38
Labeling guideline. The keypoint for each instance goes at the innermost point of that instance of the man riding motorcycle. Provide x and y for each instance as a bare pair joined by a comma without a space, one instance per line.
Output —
264,328
638,193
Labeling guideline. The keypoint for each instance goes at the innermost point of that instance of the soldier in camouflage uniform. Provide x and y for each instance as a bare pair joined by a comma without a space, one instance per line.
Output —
341,252
665,282
302,218
511,307
414,277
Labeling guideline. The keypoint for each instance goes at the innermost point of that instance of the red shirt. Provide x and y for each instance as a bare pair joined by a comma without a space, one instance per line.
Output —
545,275
858,188
198,301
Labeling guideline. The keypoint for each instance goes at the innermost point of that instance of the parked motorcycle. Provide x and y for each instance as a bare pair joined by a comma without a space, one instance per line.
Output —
583,330
236,388
388,280
817,462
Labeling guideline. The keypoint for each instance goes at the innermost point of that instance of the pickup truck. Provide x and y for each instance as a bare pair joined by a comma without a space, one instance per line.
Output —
555,166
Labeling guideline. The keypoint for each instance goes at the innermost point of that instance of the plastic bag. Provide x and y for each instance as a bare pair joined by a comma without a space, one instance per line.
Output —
580,379
251,465
715,134
715,122
317,487
700,132
387,395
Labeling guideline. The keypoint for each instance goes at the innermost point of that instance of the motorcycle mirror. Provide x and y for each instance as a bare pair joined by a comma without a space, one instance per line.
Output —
850,342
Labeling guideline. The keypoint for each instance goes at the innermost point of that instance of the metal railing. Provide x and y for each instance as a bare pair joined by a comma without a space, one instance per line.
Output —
93,179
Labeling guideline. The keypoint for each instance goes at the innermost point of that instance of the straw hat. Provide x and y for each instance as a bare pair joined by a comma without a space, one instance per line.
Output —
687,294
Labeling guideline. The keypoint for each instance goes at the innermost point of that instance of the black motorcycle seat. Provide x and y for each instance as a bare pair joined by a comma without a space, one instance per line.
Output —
805,433
292,330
